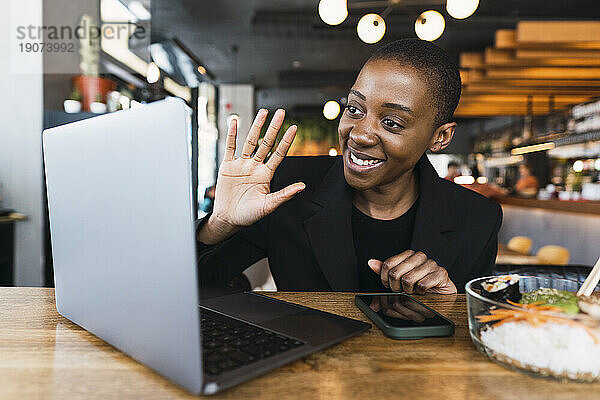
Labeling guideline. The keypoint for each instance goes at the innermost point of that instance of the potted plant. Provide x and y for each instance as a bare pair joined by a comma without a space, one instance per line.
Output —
89,83
98,106
73,103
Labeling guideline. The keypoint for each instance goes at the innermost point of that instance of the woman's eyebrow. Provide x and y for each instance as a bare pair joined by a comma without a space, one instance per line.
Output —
387,105
398,107
358,94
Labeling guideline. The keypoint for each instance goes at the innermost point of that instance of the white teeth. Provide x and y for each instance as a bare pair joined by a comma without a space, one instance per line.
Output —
359,161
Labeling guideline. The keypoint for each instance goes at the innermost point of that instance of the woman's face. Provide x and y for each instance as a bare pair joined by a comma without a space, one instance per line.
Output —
524,171
386,126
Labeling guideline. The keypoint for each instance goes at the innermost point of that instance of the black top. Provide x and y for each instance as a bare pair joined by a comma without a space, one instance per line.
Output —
309,241
379,239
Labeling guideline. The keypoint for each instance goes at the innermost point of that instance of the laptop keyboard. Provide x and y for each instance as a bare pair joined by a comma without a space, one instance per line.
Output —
228,343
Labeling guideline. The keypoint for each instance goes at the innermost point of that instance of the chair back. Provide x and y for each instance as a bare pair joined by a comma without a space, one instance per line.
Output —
556,255
520,244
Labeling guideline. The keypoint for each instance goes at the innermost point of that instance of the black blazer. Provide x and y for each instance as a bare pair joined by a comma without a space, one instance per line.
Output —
309,241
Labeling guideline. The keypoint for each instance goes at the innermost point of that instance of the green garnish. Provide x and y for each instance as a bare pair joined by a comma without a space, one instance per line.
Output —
567,301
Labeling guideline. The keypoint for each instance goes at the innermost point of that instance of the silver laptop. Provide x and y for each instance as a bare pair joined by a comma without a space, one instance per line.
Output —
123,245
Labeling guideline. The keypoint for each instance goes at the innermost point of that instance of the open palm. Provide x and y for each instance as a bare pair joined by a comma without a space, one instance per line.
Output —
243,195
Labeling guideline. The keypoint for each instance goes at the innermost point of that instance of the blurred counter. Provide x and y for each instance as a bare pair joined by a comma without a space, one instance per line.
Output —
574,225
579,207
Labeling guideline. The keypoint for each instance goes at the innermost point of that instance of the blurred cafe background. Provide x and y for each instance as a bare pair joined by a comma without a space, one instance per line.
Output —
528,130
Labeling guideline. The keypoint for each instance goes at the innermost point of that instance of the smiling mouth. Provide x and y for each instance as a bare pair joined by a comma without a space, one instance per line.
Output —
360,162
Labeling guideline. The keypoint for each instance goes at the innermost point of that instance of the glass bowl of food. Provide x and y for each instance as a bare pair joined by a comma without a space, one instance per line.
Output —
537,325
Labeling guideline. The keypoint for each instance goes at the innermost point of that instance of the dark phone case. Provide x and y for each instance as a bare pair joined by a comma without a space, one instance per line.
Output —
404,333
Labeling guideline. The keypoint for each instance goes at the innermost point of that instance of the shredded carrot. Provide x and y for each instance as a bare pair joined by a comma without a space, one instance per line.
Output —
525,305
532,314
535,306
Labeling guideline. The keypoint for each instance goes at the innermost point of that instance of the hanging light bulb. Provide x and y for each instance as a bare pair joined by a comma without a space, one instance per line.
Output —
371,28
461,9
430,25
153,73
333,12
331,109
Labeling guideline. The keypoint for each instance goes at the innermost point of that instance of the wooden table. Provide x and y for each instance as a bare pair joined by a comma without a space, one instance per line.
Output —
44,356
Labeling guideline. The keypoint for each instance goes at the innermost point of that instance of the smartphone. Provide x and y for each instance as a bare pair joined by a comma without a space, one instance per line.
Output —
400,316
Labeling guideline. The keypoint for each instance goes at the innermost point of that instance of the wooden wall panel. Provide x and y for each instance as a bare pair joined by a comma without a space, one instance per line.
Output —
557,63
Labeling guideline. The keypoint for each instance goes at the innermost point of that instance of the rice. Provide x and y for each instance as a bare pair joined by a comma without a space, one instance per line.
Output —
552,348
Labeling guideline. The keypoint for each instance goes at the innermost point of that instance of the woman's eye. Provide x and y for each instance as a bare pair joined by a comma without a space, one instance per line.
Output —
352,110
392,124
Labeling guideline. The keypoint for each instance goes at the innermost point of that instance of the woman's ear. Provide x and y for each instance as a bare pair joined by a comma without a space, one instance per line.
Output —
442,137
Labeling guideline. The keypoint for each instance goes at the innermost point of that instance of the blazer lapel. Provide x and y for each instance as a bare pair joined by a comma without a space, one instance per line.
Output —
434,219
330,230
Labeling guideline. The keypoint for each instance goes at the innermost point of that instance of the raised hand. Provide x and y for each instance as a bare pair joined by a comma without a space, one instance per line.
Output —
242,193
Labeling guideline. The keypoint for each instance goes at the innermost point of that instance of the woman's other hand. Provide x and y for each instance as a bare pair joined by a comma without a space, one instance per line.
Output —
242,194
413,272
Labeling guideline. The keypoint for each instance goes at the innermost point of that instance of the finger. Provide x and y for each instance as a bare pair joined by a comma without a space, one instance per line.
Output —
282,148
410,279
270,136
446,289
427,283
231,136
274,200
398,258
375,265
396,273
390,263
254,133
437,282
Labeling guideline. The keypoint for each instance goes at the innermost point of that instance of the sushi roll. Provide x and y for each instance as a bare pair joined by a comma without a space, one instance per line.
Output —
505,287
590,305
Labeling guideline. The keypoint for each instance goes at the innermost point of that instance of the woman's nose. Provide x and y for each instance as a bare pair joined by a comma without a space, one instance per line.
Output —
362,134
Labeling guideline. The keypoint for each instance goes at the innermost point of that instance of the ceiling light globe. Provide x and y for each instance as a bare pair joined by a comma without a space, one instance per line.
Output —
333,12
461,9
371,28
331,109
430,25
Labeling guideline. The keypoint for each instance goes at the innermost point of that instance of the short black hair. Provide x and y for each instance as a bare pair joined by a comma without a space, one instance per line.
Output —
528,166
435,65
453,164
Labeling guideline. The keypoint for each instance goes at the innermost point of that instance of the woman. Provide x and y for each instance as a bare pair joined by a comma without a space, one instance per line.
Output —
378,217
453,171
528,184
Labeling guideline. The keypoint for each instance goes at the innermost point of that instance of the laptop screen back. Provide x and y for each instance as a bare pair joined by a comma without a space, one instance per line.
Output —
122,234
